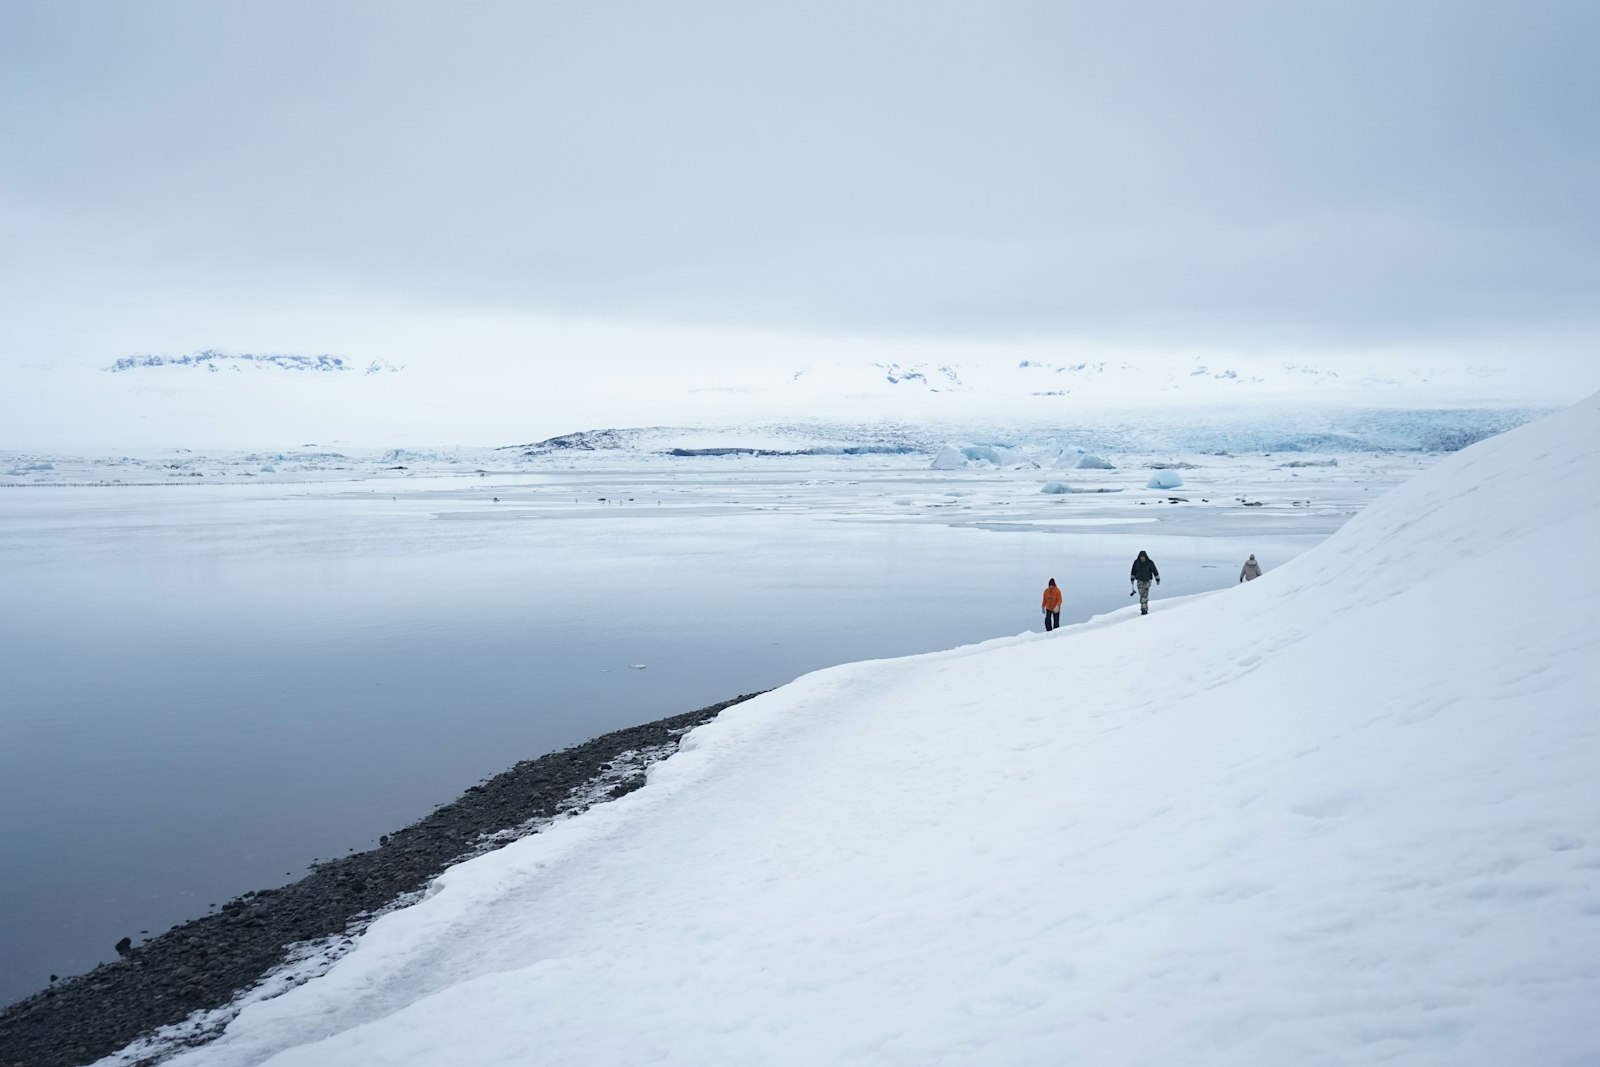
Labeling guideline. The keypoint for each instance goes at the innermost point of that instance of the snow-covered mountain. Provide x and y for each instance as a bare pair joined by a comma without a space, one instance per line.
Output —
1198,378
1343,814
1186,378
212,360
1069,382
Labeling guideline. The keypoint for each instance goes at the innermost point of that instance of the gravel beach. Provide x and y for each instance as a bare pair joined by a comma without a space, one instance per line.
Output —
205,964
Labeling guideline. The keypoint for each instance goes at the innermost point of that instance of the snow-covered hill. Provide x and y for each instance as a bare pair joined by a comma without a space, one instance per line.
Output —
1343,814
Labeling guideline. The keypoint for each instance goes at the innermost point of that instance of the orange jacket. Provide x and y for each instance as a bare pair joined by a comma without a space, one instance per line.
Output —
1052,598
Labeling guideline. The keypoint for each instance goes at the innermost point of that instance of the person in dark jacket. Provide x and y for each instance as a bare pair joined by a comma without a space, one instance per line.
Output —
1052,606
1140,576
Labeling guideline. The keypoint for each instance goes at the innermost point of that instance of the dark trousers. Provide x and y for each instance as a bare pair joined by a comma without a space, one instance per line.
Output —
1052,619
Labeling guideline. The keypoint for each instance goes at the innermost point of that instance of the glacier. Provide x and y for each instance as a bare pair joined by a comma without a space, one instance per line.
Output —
1082,445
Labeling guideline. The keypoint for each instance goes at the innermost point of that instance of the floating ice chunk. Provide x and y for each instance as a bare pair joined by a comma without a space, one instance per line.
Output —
636,666
1053,487
1164,479
269,469
982,454
1079,458
951,458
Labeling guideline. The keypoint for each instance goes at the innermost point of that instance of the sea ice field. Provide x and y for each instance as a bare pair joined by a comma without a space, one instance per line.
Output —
221,667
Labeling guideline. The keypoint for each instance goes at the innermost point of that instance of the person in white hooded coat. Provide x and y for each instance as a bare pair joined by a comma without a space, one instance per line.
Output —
1251,569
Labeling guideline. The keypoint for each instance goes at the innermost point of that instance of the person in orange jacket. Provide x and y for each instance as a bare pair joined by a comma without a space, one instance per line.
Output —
1052,606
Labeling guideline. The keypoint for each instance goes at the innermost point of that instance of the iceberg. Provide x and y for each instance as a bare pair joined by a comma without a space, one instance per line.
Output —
1164,478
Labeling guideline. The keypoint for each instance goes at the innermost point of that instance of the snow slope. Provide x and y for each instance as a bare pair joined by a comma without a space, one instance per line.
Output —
1347,813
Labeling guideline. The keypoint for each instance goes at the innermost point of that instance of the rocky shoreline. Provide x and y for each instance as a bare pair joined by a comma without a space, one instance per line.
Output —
294,932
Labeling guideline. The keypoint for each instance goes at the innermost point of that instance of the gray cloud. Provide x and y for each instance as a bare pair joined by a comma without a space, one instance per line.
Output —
1233,172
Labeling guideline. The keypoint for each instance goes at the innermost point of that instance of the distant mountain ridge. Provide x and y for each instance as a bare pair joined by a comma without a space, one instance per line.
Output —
214,360
1198,377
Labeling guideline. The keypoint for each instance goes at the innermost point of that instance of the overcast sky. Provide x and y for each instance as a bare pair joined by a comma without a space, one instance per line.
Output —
1252,177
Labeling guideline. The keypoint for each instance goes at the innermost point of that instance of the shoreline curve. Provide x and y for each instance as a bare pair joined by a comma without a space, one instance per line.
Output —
209,963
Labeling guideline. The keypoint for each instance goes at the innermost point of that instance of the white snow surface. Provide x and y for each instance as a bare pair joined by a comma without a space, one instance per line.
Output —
1347,813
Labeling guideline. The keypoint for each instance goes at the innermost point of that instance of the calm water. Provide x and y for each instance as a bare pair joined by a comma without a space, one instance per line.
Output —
204,689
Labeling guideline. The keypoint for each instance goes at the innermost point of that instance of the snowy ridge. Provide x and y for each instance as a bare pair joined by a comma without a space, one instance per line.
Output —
1203,379
1343,814
1100,379
211,359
